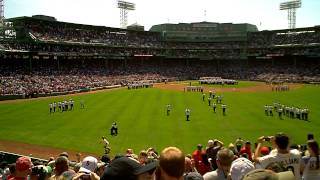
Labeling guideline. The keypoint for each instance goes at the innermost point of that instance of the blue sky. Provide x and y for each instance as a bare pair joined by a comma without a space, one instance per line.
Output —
263,13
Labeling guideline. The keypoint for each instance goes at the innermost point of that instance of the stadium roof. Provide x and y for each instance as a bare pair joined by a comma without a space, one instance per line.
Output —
84,26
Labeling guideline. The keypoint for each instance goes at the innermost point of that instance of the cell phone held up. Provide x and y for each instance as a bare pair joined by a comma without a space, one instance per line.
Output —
267,138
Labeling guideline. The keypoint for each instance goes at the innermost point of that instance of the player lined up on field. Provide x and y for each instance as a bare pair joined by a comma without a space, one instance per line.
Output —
288,111
62,106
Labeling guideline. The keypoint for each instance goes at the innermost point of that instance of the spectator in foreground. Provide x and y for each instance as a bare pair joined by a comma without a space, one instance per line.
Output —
23,168
125,168
224,160
87,170
193,176
266,174
12,169
240,167
310,164
189,166
247,150
61,169
282,154
197,156
171,164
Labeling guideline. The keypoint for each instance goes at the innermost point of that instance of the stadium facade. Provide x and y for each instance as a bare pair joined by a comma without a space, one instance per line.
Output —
204,31
168,51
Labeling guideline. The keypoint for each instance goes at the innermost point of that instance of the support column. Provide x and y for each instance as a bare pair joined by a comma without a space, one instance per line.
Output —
272,62
125,63
294,62
30,63
58,63
106,63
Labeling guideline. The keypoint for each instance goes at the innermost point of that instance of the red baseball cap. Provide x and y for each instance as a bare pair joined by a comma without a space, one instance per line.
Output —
23,163
264,150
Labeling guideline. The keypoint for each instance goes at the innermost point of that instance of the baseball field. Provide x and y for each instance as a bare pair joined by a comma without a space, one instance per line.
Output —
27,125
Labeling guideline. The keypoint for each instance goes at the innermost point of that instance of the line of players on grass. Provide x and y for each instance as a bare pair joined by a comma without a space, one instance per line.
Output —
212,95
280,88
289,111
214,105
62,106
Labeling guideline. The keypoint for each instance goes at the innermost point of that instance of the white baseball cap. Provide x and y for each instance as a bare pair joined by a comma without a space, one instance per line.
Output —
89,164
240,167
210,142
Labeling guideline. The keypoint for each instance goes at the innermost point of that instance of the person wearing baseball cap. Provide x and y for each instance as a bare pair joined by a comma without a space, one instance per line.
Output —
89,164
193,176
264,150
87,170
125,168
247,150
240,167
23,168
197,156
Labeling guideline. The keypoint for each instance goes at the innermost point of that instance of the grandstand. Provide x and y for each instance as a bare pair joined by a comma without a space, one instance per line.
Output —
204,31
46,49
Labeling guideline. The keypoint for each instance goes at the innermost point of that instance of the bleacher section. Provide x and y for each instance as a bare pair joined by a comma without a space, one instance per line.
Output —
51,57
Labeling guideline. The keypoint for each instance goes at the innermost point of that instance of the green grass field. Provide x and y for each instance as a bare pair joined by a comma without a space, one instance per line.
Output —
142,120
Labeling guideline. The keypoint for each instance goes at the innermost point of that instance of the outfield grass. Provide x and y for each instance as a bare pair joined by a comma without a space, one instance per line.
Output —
142,121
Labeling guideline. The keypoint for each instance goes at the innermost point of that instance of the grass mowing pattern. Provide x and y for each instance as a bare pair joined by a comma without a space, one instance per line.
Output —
142,120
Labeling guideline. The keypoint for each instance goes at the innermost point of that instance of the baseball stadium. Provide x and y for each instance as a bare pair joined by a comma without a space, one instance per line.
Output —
81,90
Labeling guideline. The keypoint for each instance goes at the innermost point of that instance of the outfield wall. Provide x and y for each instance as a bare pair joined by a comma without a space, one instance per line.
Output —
12,157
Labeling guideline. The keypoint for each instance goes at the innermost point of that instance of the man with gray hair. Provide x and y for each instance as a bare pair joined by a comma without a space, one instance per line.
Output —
223,160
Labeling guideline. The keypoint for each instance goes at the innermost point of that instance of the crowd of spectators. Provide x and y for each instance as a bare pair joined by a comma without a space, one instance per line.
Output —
61,32
44,82
90,40
70,33
271,157
56,40
171,52
305,37
47,78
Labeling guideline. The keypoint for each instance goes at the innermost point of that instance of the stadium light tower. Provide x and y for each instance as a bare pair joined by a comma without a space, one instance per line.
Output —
291,6
1,11
124,8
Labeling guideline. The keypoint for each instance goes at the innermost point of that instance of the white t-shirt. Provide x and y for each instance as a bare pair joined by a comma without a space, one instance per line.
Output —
214,175
290,160
187,112
310,172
